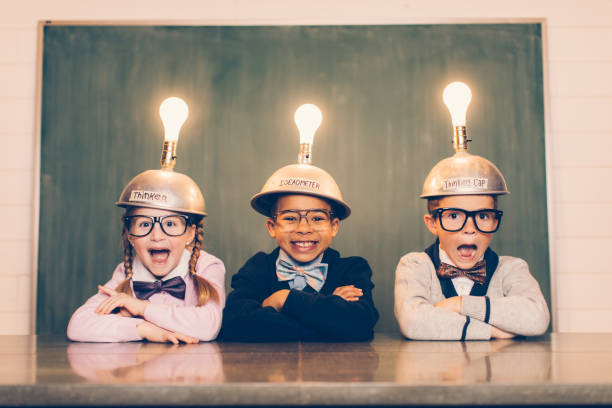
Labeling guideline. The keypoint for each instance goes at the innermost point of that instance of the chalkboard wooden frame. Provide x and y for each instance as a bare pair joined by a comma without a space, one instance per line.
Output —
285,154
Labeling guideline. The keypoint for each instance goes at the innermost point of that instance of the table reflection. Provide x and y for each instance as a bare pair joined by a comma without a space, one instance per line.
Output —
499,361
299,362
146,362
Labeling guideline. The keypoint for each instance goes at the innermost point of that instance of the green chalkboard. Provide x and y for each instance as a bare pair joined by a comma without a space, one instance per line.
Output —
384,127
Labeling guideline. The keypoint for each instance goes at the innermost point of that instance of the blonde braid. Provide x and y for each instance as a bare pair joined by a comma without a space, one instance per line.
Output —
125,287
203,288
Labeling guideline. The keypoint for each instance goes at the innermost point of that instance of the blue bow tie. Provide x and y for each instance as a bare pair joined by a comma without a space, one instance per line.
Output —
174,287
313,274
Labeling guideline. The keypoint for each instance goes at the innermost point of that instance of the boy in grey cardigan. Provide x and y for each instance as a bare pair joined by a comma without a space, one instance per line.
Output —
459,289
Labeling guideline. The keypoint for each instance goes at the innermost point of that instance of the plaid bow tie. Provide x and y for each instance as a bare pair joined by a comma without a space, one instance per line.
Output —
174,287
314,274
478,273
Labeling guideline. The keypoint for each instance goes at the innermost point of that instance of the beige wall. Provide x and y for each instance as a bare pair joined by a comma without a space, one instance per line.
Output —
579,62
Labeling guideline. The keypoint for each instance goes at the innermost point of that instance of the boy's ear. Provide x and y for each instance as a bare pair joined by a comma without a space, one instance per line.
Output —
431,224
270,227
335,226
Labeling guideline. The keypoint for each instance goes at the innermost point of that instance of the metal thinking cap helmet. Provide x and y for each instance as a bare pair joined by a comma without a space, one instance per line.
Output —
300,179
462,173
163,189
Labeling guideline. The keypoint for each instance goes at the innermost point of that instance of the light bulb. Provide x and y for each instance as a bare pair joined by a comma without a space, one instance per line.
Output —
173,112
457,97
308,119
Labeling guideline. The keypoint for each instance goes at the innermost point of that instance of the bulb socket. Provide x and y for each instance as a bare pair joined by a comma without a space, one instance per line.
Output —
305,155
460,139
168,156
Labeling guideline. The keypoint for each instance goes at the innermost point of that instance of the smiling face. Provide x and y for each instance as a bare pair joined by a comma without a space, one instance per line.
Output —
467,246
303,243
159,253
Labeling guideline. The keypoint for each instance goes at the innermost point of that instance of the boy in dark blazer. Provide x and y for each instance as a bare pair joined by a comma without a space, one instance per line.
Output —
302,290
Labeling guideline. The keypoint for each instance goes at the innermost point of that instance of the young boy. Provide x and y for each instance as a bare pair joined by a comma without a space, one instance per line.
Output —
459,289
303,290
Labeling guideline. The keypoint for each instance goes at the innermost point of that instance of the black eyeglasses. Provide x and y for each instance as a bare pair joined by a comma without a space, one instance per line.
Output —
454,219
142,225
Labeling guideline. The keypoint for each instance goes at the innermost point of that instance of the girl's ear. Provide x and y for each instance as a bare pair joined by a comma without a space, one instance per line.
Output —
191,230
431,224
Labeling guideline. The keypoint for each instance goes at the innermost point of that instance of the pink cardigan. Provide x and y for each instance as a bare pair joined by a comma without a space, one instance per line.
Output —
164,310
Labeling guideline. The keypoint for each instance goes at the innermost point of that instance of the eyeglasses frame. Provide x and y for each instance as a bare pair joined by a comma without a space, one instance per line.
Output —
329,213
157,220
468,214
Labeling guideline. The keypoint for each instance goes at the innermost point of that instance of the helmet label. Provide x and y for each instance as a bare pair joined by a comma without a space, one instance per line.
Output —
458,183
298,182
150,196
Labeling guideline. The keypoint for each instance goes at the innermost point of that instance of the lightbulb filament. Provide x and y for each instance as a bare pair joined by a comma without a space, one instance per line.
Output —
307,118
457,97
173,112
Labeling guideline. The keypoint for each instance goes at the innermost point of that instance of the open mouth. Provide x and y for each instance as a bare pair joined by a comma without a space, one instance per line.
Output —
159,255
467,251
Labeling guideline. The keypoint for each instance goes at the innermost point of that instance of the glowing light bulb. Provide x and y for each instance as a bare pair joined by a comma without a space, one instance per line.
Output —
457,97
173,112
307,119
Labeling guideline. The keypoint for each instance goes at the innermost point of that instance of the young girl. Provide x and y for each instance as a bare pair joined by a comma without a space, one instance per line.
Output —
167,289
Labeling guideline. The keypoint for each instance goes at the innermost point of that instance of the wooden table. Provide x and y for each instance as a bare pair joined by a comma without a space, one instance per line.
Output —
553,369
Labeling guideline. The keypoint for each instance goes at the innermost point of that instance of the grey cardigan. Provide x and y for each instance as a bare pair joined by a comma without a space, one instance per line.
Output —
513,303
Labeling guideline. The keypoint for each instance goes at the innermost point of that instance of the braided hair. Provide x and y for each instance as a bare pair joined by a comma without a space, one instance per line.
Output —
128,258
203,288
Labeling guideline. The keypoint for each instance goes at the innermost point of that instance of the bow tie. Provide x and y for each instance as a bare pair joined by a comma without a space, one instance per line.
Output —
478,273
313,274
174,287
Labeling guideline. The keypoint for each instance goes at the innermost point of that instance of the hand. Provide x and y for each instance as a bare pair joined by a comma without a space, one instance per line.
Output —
154,333
133,306
497,333
452,303
276,300
349,293
124,313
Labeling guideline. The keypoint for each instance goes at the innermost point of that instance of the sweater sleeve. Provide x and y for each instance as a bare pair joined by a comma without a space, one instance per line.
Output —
521,310
415,312
87,325
244,317
202,322
330,315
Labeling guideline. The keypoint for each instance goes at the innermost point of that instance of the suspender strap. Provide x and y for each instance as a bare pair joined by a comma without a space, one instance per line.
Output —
465,326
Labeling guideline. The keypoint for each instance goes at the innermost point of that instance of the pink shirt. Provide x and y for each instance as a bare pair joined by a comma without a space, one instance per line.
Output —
164,310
